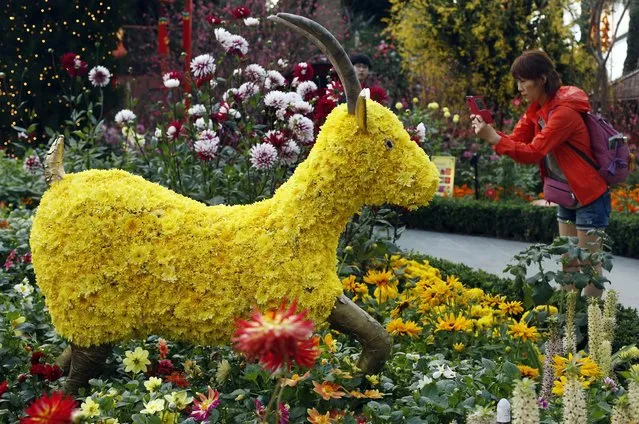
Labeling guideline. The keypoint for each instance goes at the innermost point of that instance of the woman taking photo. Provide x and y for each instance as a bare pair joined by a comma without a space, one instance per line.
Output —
553,134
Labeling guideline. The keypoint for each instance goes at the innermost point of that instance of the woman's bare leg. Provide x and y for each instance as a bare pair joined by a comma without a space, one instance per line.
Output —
569,230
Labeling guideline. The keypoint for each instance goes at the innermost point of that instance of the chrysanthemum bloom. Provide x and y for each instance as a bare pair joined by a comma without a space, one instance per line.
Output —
32,165
398,327
136,361
203,406
99,76
206,147
328,390
285,413
203,66
289,152
511,308
458,347
251,22
520,330
55,408
303,71
306,89
278,338
273,79
232,44
74,66
174,130
255,73
178,400
178,379
153,407
163,348
241,12
295,378
213,20
172,79
125,117
90,408
385,282
153,384
263,156
247,90
274,137
314,417
528,372
335,91
451,322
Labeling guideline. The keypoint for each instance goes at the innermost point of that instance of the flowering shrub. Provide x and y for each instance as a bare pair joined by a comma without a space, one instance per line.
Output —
456,349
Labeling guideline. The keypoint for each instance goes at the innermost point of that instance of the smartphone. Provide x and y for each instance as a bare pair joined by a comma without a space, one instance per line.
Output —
478,107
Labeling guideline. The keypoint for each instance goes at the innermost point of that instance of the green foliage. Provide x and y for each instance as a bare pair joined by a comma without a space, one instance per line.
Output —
17,185
470,44
514,221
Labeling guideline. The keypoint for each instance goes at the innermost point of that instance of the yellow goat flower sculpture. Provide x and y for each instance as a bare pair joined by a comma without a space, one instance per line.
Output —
119,257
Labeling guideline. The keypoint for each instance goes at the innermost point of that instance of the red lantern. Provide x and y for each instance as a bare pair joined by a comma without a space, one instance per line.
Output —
163,37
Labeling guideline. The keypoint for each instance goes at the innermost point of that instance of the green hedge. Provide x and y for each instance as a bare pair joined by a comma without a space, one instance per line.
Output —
513,221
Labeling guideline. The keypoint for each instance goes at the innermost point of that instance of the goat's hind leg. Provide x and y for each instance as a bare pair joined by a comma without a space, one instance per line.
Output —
349,318
86,363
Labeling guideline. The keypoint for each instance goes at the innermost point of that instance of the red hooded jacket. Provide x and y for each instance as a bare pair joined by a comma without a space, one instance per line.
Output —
529,143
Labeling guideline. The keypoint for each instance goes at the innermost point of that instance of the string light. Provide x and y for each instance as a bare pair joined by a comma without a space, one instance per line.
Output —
30,84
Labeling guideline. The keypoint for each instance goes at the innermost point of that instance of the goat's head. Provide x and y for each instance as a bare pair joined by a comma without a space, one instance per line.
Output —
367,137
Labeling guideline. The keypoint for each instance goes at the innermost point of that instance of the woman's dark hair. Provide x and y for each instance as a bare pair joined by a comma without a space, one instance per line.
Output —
535,64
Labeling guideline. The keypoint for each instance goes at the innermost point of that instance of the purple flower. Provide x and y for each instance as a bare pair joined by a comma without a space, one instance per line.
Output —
543,403
284,413
467,154
611,384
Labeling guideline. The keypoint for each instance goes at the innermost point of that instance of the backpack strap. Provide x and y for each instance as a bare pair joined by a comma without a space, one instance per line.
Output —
575,149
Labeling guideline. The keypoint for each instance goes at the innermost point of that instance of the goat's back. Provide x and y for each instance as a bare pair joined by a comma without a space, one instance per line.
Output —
119,257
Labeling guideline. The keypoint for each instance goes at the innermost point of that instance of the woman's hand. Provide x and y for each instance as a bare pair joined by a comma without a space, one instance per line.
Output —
484,131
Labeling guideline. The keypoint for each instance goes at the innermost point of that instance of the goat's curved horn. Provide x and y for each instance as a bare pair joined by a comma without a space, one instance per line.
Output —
330,47
348,318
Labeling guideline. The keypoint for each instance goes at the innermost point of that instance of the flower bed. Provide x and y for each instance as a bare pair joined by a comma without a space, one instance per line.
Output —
457,350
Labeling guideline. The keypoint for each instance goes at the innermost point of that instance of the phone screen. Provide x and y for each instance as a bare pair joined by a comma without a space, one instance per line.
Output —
480,104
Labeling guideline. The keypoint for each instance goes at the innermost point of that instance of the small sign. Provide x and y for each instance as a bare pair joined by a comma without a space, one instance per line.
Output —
446,167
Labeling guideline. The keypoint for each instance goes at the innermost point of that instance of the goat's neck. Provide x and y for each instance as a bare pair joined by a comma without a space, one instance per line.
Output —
321,202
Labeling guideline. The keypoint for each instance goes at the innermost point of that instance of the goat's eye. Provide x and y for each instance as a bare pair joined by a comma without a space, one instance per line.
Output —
388,143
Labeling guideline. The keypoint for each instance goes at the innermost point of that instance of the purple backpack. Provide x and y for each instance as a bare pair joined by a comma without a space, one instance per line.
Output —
609,147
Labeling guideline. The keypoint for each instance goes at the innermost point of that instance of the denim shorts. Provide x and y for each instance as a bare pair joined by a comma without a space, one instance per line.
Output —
594,215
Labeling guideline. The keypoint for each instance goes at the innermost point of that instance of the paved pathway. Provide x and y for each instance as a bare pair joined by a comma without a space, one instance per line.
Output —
492,255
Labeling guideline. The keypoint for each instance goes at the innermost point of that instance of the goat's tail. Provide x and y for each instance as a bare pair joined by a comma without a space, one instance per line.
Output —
53,168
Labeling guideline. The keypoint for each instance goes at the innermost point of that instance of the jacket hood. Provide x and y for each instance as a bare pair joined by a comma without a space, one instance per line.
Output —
569,96
572,97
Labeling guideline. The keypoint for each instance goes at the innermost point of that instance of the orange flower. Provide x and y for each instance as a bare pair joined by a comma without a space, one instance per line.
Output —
328,390
295,378
314,417
373,394
330,343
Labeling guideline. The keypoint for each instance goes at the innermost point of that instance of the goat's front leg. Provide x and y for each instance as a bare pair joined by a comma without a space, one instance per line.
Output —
346,317
86,363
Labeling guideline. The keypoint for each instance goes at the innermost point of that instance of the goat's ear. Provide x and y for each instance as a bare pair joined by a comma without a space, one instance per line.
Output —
360,110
